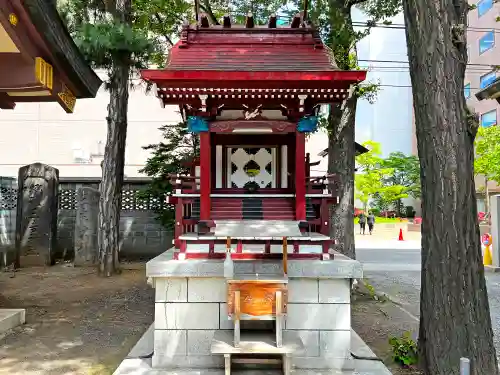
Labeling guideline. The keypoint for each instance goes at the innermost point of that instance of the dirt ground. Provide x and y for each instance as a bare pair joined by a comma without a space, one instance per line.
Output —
375,321
76,322
80,324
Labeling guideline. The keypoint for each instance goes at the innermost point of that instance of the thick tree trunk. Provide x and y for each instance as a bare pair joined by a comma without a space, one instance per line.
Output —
454,311
341,161
112,171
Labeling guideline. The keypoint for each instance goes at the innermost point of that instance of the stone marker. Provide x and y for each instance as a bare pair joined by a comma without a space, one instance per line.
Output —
87,211
36,220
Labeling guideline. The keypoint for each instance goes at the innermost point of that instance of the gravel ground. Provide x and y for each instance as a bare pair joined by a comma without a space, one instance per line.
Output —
76,322
376,321
404,287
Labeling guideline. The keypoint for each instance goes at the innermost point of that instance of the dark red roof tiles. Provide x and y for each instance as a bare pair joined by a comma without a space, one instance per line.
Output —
257,50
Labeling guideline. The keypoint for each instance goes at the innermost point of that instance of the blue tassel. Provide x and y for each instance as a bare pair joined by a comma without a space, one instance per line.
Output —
307,124
197,124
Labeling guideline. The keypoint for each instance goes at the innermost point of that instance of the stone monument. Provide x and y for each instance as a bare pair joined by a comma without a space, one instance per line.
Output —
36,220
86,226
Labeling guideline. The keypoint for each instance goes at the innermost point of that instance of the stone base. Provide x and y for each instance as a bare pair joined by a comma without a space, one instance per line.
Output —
138,362
11,318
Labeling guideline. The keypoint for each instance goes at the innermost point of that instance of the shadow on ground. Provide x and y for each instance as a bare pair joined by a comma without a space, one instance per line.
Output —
76,322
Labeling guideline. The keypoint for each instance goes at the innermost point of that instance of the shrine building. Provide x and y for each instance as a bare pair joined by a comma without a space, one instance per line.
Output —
251,278
39,61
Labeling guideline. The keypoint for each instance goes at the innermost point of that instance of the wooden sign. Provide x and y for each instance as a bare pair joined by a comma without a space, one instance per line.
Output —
67,98
256,299
44,73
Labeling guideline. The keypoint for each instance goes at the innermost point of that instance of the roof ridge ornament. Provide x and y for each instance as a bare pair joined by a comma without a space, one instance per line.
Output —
249,23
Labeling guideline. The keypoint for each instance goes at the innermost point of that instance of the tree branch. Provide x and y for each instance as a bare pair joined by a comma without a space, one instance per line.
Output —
160,21
351,3
208,10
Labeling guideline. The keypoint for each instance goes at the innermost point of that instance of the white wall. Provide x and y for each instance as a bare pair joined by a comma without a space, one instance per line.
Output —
43,132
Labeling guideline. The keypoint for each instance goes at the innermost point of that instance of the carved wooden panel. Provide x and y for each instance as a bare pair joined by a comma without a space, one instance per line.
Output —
256,299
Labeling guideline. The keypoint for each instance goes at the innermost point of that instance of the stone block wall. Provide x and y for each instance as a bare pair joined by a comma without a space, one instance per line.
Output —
189,310
142,235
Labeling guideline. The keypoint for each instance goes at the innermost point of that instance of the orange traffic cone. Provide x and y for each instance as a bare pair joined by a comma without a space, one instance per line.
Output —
400,234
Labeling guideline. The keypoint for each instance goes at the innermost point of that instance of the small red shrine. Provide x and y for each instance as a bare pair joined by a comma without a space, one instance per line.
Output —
252,94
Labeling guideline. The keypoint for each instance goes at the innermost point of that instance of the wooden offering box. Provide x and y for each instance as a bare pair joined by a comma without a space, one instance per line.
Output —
251,297
257,297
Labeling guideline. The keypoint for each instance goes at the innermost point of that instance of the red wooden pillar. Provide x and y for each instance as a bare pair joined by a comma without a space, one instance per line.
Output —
300,176
205,176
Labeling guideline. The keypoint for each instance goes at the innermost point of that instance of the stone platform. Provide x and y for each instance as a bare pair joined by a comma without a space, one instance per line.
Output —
138,362
11,318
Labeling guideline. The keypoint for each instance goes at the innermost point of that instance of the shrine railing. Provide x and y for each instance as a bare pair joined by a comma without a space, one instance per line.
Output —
314,184
185,184
322,184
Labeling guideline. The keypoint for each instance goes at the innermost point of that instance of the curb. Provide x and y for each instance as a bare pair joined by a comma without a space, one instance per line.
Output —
492,269
396,302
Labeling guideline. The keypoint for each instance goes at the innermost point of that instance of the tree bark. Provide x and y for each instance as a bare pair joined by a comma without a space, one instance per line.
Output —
114,154
454,311
341,161
112,172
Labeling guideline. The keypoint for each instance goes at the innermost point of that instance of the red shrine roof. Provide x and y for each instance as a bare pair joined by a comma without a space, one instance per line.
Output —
258,50
254,57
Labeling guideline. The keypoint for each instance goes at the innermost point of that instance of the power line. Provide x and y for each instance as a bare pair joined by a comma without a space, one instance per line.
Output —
407,62
401,26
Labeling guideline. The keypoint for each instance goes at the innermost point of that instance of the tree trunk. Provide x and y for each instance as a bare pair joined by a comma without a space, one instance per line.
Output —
454,311
112,170
341,161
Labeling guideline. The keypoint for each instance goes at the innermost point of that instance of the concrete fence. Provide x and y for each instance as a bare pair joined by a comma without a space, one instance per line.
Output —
142,236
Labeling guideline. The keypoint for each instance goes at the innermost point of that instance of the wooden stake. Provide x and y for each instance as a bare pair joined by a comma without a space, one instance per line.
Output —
279,319
285,256
237,316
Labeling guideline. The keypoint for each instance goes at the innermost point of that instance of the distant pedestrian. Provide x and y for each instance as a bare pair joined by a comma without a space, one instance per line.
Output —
370,220
362,223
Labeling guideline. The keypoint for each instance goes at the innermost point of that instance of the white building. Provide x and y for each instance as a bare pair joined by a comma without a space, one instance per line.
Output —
74,143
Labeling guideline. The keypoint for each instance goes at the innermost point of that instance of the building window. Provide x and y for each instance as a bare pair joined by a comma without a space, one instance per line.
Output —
486,42
467,91
489,118
487,79
483,6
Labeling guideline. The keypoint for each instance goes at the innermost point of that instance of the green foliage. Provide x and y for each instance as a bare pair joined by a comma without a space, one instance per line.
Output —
487,147
405,172
106,39
385,181
261,9
371,290
169,157
334,22
404,349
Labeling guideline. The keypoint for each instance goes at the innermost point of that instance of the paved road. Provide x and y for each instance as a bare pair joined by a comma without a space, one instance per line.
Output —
397,273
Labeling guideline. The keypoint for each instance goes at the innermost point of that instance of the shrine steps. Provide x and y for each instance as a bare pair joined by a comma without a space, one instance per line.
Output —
256,348
253,208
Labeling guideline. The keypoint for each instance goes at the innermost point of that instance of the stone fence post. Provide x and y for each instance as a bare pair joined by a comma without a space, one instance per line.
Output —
86,226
